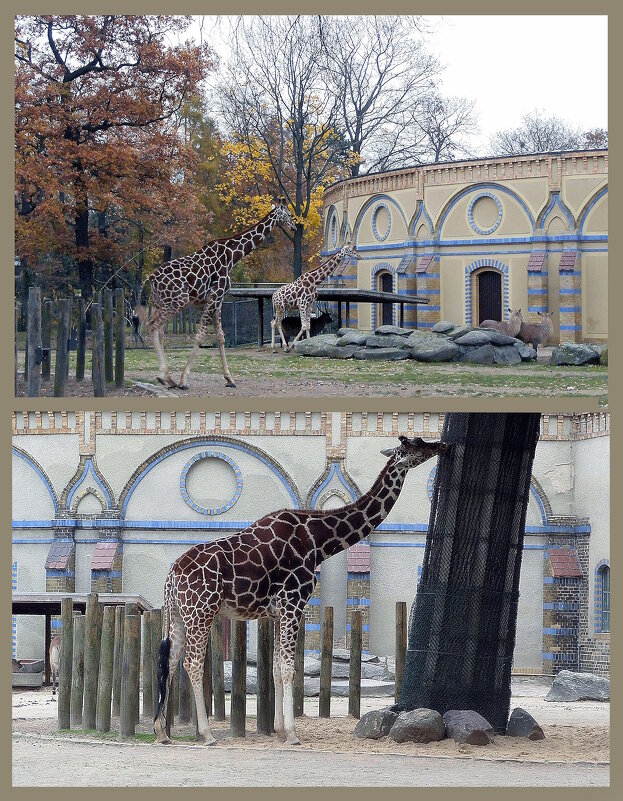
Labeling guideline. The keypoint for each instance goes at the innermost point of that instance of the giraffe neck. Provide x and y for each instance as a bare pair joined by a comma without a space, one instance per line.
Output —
349,525
243,243
327,268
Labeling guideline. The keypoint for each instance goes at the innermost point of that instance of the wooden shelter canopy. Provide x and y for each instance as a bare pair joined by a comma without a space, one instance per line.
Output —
49,603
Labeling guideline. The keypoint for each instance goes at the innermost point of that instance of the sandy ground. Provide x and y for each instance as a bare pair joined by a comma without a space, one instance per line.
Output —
575,751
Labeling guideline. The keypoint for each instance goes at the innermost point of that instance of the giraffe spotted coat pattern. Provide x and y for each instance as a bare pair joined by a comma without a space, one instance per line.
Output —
302,294
202,280
267,570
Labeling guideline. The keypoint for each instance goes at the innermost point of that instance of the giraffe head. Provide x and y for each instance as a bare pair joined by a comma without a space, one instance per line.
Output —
347,251
282,214
412,452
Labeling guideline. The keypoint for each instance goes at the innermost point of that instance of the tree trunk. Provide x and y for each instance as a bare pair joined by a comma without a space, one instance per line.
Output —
85,263
167,254
464,617
298,251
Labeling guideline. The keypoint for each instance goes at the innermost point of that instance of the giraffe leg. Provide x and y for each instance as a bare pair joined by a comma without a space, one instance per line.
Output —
278,724
176,638
202,332
196,644
305,322
220,339
156,328
289,624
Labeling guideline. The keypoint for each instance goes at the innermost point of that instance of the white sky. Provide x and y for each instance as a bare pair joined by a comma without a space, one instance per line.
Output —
511,65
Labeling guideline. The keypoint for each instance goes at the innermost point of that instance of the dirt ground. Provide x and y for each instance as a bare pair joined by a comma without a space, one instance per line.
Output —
575,751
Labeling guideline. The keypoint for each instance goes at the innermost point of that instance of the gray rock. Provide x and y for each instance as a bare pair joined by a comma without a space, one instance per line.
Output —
571,686
345,352
311,666
251,678
384,330
575,354
527,352
460,331
415,337
506,354
352,338
372,670
376,724
387,341
443,327
346,330
340,670
438,350
522,724
343,655
474,338
418,726
315,346
467,726
311,687
482,355
381,354
496,338
390,669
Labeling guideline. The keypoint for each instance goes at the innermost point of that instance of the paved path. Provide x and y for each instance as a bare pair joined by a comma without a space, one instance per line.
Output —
40,761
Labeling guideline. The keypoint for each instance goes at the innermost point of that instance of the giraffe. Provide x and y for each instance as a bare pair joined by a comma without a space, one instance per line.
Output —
202,280
267,570
303,293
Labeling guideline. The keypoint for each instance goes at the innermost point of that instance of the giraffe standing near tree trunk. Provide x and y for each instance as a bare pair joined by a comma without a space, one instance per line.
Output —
202,280
302,293
267,570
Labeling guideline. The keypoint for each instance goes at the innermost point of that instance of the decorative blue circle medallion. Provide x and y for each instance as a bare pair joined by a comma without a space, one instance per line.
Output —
473,222
203,510
381,236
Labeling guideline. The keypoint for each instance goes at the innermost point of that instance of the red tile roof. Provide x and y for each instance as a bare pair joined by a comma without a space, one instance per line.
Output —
58,555
536,261
422,263
564,563
567,260
104,555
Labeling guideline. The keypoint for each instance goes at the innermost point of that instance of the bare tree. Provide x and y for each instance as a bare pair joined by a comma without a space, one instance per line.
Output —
538,133
274,91
444,123
380,70
596,139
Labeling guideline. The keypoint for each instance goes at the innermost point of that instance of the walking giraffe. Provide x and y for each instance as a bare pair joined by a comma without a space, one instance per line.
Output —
202,280
267,570
302,293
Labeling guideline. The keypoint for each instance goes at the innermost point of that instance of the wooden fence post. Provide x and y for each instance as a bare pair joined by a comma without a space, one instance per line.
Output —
147,668
108,335
326,660
82,340
91,661
62,335
238,677
97,349
104,685
155,624
264,723
218,672
129,673
401,644
77,672
119,339
354,678
299,671
117,662
64,678
34,341
46,338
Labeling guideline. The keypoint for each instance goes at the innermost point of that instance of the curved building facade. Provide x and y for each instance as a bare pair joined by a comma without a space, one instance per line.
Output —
475,237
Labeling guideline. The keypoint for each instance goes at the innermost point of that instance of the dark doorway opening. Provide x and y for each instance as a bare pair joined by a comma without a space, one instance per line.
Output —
386,284
489,296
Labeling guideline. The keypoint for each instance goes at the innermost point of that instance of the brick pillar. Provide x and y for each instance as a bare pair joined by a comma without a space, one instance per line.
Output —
312,618
562,586
60,568
570,297
429,286
538,292
107,563
358,591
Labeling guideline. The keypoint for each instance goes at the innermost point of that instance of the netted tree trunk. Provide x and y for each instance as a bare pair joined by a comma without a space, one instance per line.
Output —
463,620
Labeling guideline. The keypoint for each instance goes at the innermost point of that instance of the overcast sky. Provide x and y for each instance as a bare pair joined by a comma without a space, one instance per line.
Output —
511,65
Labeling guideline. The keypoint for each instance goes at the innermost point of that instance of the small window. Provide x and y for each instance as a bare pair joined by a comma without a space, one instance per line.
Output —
604,573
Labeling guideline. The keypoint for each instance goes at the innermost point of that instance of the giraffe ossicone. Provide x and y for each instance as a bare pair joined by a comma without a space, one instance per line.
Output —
302,294
202,280
267,570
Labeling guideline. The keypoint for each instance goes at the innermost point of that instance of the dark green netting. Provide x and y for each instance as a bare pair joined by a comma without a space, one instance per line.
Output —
463,620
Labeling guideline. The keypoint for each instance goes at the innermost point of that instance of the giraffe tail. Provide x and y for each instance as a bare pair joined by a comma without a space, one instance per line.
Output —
163,672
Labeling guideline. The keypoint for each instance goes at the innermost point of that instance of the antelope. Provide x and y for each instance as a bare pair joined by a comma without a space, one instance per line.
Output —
509,327
536,334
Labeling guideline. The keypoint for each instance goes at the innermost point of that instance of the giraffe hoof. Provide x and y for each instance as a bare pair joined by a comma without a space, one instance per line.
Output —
200,738
230,384
182,386
166,741
293,741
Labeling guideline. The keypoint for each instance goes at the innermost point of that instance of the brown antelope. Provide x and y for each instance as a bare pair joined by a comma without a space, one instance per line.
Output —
536,334
55,660
509,327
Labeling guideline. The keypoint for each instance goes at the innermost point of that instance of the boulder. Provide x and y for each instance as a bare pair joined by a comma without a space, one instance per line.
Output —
343,655
522,724
460,331
387,341
527,352
475,337
496,338
384,330
382,354
315,346
345,352
376,724
346,330
418,726
372,670
574,353
340,670
251,678
415,337
438,350
390,669
311,666
571,686
467,726
506,354
443,327
352,338
481,355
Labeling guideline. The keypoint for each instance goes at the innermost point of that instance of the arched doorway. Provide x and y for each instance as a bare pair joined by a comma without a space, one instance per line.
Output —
489,295
385,283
